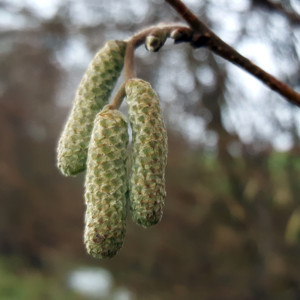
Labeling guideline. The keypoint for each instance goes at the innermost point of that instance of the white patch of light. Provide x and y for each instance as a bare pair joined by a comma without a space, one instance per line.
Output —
91,282
175,63
122,294
259,117
278,27
140,10
74,54
45,9
254,24
185,81
194,5
210,140
175,58
85,14
116,11
205,75
296,5
166,76
284,115
14,2
236,120
74,57
226,19
191,2
11,21
193,127
251,86
296,34
200,55
233,5
165,88
296,116
282,141
260,53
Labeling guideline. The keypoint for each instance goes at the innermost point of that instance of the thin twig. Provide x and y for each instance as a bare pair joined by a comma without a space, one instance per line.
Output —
128,73
129,61
118,99
136,41
208,38
139,38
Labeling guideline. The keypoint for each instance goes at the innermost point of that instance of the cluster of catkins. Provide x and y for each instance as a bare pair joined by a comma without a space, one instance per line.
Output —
95,139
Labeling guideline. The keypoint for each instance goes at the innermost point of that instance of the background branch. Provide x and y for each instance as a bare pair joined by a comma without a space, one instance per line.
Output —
293,17
209,39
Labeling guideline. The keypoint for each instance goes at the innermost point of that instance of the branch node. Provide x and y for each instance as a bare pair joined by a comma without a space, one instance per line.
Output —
181,35
156,39
200,40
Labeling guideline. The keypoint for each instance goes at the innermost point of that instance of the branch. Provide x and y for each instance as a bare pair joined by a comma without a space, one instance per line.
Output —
128,74
178,32
159,32
118,99
129,61
205,37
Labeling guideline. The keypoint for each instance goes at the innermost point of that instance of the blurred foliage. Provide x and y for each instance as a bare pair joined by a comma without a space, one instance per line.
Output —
230,194
20,283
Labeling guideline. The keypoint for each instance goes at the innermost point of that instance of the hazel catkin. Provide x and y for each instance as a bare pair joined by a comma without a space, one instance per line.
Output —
149,153
106,184
92,94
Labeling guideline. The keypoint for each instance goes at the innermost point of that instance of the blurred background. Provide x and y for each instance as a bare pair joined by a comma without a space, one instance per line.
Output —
231,226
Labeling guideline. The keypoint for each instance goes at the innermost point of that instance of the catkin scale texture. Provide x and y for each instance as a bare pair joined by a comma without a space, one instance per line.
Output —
106,185
92,94
149,153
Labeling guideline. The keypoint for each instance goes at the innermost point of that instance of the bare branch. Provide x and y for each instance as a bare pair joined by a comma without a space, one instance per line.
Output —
209,39
168,29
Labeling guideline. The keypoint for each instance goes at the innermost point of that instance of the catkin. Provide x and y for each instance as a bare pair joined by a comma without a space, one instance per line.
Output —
106,184
92,94
149,153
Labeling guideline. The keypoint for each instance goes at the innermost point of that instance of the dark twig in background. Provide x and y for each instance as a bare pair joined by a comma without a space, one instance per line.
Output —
293,17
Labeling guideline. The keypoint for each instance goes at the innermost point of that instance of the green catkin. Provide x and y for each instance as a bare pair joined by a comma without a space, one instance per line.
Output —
149,153
92,94
106,184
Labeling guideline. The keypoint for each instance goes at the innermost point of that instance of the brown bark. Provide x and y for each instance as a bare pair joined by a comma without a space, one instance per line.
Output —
209,39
